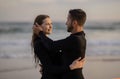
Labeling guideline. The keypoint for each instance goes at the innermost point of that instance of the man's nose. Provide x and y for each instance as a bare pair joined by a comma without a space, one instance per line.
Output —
66,23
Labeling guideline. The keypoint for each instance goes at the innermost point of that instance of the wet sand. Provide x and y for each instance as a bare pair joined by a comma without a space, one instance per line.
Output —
100,67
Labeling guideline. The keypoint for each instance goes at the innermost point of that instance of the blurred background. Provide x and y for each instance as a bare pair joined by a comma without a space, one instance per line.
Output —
102,30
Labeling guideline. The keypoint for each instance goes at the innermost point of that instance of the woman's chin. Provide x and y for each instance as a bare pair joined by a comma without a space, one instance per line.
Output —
49,33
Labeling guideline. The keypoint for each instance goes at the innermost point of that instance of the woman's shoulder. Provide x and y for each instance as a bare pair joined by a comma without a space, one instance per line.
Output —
37,41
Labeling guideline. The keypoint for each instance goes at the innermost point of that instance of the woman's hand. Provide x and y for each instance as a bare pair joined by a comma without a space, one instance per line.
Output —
37,28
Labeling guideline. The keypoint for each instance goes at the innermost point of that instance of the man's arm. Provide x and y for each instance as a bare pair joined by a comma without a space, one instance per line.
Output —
75,65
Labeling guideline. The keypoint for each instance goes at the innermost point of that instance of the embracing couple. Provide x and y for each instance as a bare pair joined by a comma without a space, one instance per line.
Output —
61,59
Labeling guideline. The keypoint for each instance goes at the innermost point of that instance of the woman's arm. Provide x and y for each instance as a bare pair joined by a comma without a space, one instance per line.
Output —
50,44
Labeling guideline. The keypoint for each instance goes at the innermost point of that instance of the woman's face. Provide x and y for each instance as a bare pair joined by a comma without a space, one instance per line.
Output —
47,26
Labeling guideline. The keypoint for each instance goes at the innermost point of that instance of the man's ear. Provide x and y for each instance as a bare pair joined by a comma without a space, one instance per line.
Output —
74,23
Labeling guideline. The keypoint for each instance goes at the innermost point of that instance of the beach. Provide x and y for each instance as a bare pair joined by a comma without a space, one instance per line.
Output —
99,67
102,67
102,53
18,69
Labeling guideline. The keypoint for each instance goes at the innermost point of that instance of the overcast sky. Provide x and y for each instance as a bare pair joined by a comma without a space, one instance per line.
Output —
27,10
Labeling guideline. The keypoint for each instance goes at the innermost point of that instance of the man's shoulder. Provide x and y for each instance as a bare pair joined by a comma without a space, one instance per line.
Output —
78,38
73,38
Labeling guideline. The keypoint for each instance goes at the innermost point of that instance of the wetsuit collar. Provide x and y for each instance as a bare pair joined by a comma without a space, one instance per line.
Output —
78,33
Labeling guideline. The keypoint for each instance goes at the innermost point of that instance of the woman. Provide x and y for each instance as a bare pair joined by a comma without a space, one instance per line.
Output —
50,59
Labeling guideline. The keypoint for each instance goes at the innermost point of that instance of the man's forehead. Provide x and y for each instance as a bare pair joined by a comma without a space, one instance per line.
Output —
69,16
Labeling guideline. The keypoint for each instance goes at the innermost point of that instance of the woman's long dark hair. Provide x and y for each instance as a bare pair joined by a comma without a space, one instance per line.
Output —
39,19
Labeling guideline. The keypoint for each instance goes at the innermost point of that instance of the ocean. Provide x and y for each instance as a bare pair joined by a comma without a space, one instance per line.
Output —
103,38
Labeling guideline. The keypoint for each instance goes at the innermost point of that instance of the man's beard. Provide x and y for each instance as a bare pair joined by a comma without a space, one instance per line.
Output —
70,28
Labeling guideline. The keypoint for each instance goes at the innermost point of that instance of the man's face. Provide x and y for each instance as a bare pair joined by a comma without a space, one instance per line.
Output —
47,26
69,24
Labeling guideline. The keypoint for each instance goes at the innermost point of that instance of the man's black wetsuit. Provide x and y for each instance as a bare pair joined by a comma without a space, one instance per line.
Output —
70,48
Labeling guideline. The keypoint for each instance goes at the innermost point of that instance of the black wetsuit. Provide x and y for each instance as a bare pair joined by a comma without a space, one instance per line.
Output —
50,60
70,49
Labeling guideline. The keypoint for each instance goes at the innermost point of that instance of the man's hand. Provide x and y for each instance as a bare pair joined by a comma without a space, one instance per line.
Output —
77,63
37,28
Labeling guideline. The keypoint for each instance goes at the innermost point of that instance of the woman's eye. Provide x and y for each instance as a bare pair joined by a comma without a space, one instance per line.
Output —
47,24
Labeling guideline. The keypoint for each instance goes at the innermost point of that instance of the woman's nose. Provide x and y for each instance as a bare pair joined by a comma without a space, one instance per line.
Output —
50,26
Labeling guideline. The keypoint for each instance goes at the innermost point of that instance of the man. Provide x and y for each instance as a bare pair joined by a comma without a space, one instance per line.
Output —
72,47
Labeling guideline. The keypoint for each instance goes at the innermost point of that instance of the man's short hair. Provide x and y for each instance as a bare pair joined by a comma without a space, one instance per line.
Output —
79,15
